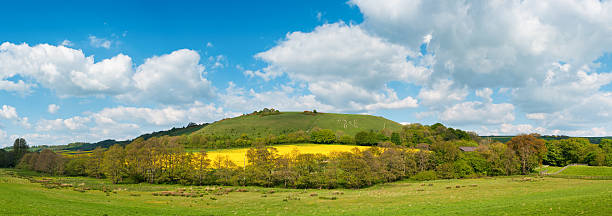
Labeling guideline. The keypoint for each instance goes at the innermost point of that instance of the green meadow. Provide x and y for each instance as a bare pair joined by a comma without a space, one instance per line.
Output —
514,195
587,171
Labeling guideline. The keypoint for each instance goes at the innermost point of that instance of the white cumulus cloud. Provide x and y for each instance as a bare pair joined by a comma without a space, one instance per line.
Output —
66,71
475,112
99,42
53,108
343,65
172,78
8,112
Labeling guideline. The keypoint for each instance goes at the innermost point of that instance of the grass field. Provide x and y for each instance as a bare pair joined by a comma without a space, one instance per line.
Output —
548,169
238,156
486,196
587,171
286,122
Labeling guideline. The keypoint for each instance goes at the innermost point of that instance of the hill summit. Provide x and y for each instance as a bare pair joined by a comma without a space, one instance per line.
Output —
272,122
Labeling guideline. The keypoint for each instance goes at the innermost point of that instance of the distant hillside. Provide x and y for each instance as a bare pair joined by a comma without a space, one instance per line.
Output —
81,146
504,139
255,125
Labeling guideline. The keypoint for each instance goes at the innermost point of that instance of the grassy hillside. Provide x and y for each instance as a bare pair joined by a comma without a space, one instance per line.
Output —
287,122
485,196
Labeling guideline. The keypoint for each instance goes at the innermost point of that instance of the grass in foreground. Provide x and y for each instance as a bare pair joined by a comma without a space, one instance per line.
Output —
488,196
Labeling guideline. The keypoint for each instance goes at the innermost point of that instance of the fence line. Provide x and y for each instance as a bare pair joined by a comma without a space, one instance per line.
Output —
580,177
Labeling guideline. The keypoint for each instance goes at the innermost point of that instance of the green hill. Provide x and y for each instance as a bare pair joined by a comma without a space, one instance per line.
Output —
83,146
254,125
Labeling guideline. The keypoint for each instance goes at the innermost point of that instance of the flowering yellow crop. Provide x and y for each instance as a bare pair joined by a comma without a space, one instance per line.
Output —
238,156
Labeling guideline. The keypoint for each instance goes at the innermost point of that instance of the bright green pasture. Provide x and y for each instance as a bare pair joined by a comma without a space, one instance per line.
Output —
486,196
587,171
548,169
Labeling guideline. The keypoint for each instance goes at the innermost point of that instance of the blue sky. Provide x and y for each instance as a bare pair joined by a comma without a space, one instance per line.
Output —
87,71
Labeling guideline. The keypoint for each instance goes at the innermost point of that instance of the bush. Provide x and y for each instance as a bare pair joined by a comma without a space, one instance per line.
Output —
365,138
424,176
322,136
446,170
346,139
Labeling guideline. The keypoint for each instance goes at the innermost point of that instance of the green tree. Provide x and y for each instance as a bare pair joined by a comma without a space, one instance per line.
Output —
530,150
76,166
366,138
20,148
260,166
114,164
395,138
6,158
322,136
606,146
93,167
201,167
445,151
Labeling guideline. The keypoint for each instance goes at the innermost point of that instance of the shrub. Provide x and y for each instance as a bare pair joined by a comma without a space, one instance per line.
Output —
365,138
424,176
446,171
322,136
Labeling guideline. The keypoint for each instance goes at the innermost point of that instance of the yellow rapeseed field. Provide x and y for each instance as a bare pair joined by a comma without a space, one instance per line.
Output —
238,156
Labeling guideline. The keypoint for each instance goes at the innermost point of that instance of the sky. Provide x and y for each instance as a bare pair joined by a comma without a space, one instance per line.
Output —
86,71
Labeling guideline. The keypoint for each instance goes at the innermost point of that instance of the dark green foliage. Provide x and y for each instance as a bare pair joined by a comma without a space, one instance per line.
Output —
346,139
415,134
577,150
367,138
318,135
76,166
445,151
6,158
606,146
395,138
425,176
20,148
92,146
266,112
463,168
17,151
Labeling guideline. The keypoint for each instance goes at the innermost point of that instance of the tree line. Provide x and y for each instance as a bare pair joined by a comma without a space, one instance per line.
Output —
12,158
417,152
164,160
410,136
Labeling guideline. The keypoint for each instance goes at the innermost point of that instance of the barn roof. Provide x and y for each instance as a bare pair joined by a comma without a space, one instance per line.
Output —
467,148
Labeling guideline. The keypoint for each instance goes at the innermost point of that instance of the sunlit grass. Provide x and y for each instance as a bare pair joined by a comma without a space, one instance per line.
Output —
514,195
587,171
